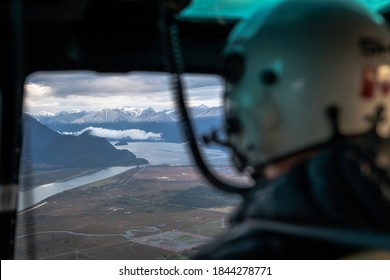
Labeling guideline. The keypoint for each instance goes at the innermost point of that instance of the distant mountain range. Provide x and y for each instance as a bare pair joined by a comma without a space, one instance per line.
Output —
147,120
124,114
41,145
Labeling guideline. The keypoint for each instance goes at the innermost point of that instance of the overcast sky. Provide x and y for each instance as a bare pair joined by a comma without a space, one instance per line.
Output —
88,91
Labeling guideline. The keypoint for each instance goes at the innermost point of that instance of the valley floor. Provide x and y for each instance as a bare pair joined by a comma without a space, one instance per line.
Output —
152,212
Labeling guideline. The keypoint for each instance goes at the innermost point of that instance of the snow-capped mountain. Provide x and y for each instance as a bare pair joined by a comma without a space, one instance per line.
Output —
103,116
123,115
43,114
136,112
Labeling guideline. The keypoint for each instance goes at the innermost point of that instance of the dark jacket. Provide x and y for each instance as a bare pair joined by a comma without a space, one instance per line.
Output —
332,205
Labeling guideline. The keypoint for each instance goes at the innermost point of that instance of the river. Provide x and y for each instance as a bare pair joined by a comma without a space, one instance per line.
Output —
35,195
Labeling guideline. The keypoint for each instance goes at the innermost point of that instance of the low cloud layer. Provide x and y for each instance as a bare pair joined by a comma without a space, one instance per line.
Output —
133,134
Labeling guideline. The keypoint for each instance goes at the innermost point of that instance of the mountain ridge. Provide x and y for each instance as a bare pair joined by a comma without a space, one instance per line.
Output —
41,145
124,114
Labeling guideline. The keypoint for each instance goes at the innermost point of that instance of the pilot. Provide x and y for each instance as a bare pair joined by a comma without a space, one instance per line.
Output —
307,112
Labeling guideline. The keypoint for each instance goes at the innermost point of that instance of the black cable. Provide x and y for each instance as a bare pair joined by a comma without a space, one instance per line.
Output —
172,47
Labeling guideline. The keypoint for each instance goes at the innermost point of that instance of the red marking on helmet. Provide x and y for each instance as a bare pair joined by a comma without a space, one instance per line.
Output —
368,82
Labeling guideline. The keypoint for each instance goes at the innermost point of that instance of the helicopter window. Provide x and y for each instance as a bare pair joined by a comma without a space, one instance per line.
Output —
105,173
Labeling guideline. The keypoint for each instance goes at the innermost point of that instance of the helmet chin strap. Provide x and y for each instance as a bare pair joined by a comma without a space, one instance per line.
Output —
332,113
375,119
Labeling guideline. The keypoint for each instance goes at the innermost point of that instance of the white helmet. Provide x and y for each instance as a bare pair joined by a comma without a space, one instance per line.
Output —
291,62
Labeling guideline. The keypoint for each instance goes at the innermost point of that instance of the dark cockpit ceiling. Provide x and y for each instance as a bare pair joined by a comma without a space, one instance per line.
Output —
109,36
112,35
